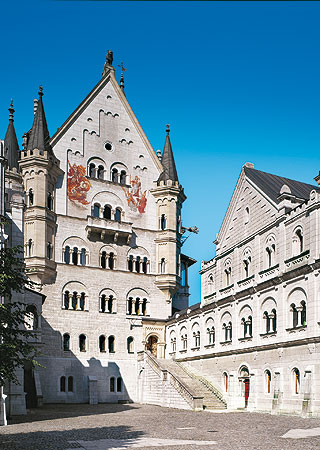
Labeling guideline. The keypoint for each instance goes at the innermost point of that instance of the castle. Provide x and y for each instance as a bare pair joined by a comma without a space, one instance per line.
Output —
99,214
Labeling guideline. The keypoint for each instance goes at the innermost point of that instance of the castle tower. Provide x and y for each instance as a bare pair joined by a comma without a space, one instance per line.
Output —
40,171
14,198
169,197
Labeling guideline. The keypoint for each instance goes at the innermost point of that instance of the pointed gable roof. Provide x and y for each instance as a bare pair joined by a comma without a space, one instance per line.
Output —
271,184
39,134
169,166
11,143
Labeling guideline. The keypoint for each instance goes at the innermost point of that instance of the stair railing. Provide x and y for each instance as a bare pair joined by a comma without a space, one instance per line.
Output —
192,398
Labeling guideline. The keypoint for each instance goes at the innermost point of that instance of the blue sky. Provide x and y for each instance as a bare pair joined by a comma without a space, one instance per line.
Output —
237,81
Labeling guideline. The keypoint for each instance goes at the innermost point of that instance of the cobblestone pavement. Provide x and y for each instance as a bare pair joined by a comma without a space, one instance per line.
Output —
102,427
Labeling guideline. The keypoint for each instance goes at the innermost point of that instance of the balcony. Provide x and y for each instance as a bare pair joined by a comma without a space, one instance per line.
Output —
246,282
297,261
269,273
108,227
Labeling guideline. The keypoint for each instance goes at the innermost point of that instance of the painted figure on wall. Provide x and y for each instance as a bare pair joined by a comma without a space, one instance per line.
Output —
78,185
136,199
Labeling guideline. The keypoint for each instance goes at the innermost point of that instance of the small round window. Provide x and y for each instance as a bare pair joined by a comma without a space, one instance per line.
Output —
108,146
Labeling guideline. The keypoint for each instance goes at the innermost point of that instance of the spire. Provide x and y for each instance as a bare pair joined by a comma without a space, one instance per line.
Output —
121,77
39,134
11,143
169,167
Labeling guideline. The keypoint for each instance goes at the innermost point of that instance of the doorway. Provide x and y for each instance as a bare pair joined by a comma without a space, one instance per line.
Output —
152,345
29,386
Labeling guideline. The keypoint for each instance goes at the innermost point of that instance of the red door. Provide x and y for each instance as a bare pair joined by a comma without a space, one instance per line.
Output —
246,391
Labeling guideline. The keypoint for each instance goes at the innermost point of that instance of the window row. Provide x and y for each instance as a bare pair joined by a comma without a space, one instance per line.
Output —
98,171
31,199
67,384
105,344
77,301
298,319
270,258
80,257
107,212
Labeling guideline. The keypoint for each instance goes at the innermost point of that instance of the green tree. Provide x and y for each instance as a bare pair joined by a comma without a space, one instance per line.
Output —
15,345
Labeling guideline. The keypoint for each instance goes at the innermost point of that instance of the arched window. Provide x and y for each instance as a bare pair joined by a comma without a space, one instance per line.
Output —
70,384
31,318
144,307
110,303
123,176
82,300
30,247
267,375
163,222
137,306
111,346
230,330
100,172
104,260
67,254
66,299
145,265
83,257
196,336
300,237
119,384
163,265
31,197
62,384
74,300
273,317
107,212
82,343
130,263
117,215
211,335
103,303
75,256
111,261
96,210
138,264
303,313
102,343
247,326
295,318
296,381
130,304
114,175
225,381
92,170
49,250
227,272
112,384
130,344
49,201
66,342
246,215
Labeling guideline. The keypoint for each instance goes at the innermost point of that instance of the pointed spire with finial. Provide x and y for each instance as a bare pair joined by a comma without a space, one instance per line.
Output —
121,77
11,146
39,134
169,166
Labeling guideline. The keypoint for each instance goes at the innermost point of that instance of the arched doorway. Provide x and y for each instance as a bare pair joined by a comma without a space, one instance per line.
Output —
244,379
152,344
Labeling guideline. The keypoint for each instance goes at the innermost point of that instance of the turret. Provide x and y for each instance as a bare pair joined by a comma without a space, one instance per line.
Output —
169,197
11,147
40,170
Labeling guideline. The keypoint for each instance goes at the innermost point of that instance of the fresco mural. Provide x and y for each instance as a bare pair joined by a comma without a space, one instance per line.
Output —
137,200
78,185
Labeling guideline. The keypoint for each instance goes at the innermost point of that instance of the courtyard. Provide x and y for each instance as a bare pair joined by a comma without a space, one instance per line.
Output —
117,427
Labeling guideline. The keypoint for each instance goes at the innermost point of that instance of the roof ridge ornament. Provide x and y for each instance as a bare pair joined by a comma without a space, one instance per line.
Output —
121,76
168,129
11,111
108,63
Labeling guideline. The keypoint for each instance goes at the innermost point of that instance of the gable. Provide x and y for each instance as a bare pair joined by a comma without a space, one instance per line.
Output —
104,131
250,210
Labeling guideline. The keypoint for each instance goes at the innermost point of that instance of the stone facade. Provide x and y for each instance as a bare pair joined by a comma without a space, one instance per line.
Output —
257,326
101,223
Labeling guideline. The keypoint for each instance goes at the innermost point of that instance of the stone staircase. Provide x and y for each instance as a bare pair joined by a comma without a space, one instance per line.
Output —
212,398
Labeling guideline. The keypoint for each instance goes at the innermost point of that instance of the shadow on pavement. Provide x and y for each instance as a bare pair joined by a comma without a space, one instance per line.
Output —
58,440
61,411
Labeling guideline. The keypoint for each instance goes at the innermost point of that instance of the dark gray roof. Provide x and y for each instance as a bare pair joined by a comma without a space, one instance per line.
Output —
272,184
169,166
38,136
11,147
